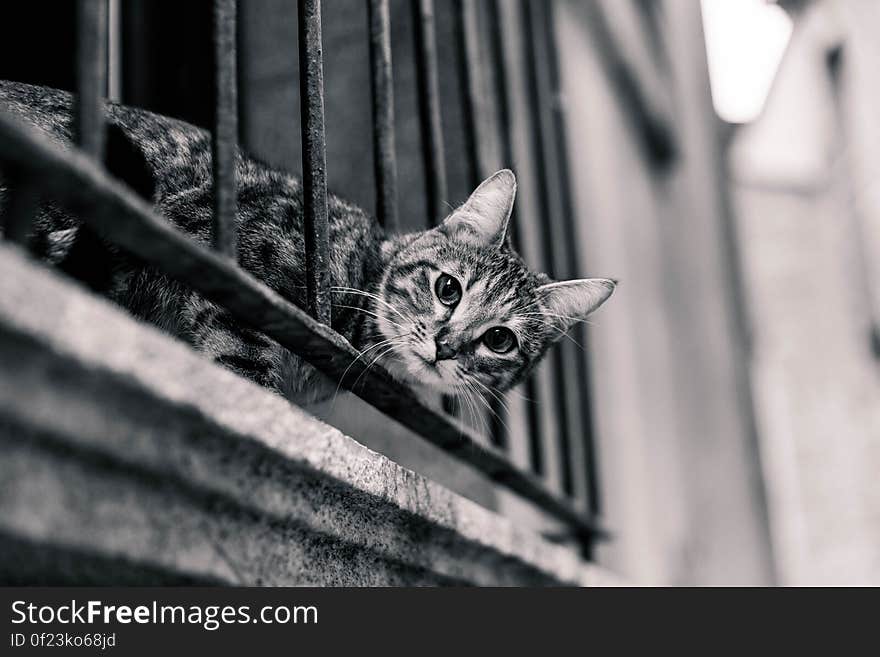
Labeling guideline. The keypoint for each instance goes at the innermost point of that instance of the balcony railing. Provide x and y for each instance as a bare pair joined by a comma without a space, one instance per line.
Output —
75,178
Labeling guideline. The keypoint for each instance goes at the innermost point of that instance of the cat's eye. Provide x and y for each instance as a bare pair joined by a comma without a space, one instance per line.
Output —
499,339
448,290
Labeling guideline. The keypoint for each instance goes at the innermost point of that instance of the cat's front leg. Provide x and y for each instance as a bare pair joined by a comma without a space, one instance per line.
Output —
301,383
213,331
249,353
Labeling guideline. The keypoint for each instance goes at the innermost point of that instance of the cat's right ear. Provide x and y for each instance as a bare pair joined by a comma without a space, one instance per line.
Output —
568,302
484,217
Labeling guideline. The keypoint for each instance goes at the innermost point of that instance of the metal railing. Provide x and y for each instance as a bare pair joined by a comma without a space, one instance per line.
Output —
76,179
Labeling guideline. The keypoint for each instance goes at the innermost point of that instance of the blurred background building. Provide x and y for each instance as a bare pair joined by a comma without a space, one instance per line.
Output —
736,374
803,179
722,156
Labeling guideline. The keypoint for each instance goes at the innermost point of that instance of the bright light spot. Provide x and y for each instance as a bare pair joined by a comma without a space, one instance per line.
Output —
745,41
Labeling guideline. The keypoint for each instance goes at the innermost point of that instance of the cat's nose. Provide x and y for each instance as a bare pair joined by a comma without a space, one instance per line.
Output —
444,350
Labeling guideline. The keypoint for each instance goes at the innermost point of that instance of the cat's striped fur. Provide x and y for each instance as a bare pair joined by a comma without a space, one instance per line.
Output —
385,287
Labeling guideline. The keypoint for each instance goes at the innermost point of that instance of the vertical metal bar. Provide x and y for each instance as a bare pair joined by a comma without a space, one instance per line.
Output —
384,160
224,145
568,215
553,238
469,67
431,127
311,91
505,127
429,110
91,75
114,50
502,91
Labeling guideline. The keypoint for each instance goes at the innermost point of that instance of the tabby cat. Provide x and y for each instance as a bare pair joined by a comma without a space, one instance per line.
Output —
453,308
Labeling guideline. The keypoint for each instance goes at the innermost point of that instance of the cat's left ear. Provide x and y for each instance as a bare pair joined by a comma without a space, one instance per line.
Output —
484,217
572,301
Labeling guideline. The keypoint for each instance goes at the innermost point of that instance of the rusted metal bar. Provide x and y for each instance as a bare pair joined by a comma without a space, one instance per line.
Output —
554,233
114,50
311,94
431,127
584,441
469,66
384,159
91,75
127,220
501,88
505,129
429,110
224,144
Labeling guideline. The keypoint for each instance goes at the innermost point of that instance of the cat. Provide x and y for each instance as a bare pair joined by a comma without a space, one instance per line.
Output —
452,308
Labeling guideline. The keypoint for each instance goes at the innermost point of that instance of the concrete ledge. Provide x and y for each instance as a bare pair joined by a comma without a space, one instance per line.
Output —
130,459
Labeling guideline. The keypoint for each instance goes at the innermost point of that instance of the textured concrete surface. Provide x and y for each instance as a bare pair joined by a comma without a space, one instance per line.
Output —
128,458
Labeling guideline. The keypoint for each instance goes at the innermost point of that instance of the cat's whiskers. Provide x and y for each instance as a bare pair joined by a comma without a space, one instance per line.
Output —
478,419
369,312
463,397
466,394
573,320
562,333
475,397
398,339
369,295
496,395
464,389
518,394
470,383
373,362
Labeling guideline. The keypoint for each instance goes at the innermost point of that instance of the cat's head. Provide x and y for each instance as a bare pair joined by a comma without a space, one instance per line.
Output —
458,306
